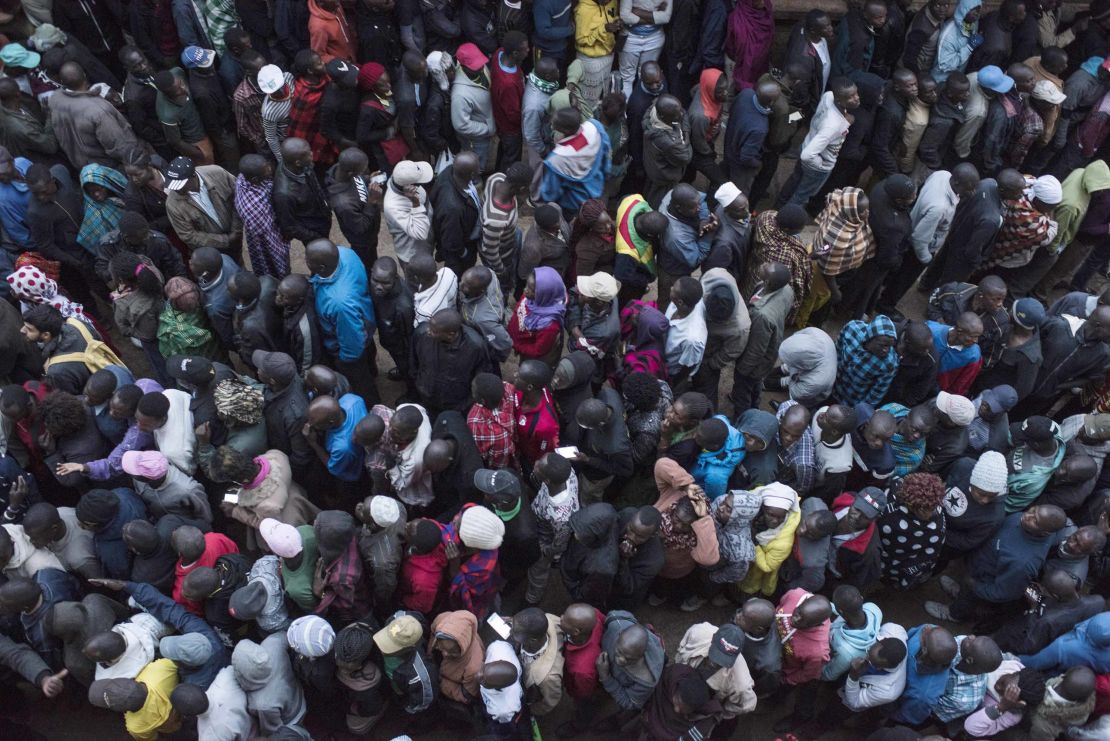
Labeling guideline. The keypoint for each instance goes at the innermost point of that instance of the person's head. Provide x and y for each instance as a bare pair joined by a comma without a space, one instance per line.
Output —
124,402
321,256
916,339
42,323
445,326
711,434
1011,184
1076,468
135,62
43,525
422,536
552,471
384,277
73,77
793,424
904,83
690,695
206,264
1086,541
170,85
847,599
291,291
533,375
688,410
968,330
809,614
405,425
199,583
686,292
105,648
188,543
421,270
1097,326
774,275
439,455
334,532
991,294
1077,685
238,42
776,502
515,44
613,106
651,225
593,414
927,89
878,430
466,167
817,26
41,183
836,421
118,695
488,390
957,90
755,617
244,287
62,414
256,168
152,411
880,343
296,155
529,631
632,644
1054,60
1011,13
669,109
979,655
100,387
325,414
937,650
1042,520
643,526
189,700
19,594
886,653
845,93
141,537
922,494
651,77
874,14
578,622
1022,74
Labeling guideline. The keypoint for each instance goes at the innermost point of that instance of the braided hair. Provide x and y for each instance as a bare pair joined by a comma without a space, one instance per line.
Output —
354,643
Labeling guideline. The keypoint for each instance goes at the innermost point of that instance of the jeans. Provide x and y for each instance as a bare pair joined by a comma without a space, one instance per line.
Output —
802,185
637,50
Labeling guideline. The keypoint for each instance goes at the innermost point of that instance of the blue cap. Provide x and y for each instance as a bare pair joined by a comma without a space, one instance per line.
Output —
194,57
17,55
1028,313
993,78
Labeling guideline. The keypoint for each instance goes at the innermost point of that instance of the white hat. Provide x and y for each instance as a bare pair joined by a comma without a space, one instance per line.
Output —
727,193
776,494
408,172
270,78
601,286
384,511
282,539
959,409
989,473
1047,189
1046,91
480,528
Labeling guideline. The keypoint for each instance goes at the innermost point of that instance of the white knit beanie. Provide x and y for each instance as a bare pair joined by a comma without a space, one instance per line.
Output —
480,528
990,473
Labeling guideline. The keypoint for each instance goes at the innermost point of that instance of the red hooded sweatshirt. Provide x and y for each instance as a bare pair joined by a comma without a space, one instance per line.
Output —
215,545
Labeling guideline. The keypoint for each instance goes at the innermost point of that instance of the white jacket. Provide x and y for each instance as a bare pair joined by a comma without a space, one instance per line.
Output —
872,690
733,687
827,132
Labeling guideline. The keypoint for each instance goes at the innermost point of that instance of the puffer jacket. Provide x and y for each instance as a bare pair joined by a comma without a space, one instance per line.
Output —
382,552
714,467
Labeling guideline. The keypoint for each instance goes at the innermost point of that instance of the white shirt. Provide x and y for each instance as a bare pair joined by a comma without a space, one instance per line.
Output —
176,439
202,199
140,637
822,49
835,458
686,340
227,718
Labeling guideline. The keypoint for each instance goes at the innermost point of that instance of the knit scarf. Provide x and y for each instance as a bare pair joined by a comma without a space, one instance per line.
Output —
545,87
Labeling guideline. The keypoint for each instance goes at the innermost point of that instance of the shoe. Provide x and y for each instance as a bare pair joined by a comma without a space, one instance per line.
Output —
394,374
950,586
721,600
692,603
655,600
939,610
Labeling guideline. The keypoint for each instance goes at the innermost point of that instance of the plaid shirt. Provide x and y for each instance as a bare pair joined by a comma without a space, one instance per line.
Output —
493,431
1023,230
269,252
304,118
475,587
246,102
860,376
185,333
346,593
774,245
963,693
798,463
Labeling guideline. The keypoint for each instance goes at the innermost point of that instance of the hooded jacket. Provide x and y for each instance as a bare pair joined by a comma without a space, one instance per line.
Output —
848,644
726,339
590,561
113,553
636,573
274,696
714,467
74,623
1087,644
628,690
763,574
954,44
1035,629
458,678
809,359
176,616
471,109
759,467
227,717
329,35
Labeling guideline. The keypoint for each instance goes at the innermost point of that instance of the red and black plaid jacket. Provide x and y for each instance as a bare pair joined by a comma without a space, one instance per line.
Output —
304,118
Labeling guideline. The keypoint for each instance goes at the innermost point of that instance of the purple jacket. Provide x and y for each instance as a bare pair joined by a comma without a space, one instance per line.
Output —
133,439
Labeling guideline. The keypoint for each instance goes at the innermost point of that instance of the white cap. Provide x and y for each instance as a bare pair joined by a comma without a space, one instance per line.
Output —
408,172
1046,91
727,193
385,511
270,79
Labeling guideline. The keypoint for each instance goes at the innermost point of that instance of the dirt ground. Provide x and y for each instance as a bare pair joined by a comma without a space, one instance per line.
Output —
72,719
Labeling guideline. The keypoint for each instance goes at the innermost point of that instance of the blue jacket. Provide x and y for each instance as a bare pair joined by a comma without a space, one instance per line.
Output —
345,456
954,42
746,130
570,192
1087,644
922,690
1005,564
14,197
343,307
57,586
714,467
711,47
172,613
683,250
218,303
553,21
108,540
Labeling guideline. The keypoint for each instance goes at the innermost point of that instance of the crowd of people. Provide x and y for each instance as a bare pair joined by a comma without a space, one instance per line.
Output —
622,364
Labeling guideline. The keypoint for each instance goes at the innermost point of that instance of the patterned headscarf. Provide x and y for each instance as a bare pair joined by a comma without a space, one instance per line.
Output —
238,402
33,287
844,239
183,294
101,217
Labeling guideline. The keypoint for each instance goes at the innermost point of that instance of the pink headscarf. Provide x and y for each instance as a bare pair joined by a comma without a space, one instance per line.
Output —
149,464
32,286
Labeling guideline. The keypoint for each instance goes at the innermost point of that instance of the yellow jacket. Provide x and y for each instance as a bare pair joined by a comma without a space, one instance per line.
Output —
763,574
156,715
590,35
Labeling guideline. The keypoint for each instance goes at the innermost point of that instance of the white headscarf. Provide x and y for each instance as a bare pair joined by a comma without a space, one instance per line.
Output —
503,705
438,64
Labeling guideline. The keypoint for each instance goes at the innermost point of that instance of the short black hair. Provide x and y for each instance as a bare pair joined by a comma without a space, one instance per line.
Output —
45,318
488,386
689,289
892,651
155,404
164,79
649,516
426,536
824,523
513,39
129,396
641,390
518,174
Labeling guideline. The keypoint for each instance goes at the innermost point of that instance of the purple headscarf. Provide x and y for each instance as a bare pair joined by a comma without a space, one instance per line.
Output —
550,303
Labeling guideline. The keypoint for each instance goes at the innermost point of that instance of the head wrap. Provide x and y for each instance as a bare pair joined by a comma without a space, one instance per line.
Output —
1047,189
183,294
32,286
238,402
149,464
368,74
778,495
310,636
707,84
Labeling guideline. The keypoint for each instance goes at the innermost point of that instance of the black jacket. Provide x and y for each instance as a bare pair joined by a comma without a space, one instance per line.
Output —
968,524
886,134
157,247
477,26
146,29
301,206
138,107
395,315
359,220
996,47
378,37
1034,630
635,574
638,104
416,680
339,115
301,332
98,24
454,486
455,220
442,372
285,413
21,360
54,225
157,567
87,444
258,325
291,26
607,448
935,148
520,547
807,92
1068,359
148,202
69,376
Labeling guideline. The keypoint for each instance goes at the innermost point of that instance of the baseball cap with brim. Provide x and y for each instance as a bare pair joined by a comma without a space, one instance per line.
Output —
270,79
493,482
725,647
471,57
404,632
190,368
993,78
407,172
195,57
342,71
17,55
1046,91
179,172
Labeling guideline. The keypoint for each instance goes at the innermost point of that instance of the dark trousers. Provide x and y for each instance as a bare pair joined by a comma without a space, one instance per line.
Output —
1095,263
708,382
745,393
508,150
898,282
763,178
361,372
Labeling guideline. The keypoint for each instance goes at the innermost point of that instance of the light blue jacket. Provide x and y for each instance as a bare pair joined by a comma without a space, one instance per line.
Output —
848,644
343,307
714,467
954,43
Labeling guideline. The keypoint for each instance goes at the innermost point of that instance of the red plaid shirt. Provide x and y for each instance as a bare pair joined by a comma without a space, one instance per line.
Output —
304,118
493,431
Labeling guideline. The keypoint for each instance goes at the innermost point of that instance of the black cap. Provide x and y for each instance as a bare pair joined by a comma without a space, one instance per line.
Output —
192,369
179,172
343,71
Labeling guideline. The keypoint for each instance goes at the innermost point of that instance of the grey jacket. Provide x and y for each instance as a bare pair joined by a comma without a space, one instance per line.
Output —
629,691
666,151
809,359
471,109
274,695
90,129
726,340
177,495
274,617
768,324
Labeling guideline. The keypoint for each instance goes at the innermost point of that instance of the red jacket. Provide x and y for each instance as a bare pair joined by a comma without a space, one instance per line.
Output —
533,344
215,545
507,92
580,671
329,35
421,579
537,428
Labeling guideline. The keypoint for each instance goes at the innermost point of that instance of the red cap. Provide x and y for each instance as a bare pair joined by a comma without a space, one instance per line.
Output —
471,57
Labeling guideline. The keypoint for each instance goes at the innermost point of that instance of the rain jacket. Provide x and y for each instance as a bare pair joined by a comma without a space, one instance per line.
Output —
1077,190
954,45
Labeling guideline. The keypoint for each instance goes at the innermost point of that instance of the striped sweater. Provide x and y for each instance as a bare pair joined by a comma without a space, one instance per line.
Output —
498,229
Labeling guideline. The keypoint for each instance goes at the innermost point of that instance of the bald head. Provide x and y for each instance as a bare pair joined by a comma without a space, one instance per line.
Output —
812,612
321,380
72,76
767,92
324,413
439,455
578,622
668,108
321,256
979,655
369,430
107,647
188,543
632,645
1011,184
1078,684
938,648
965,179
